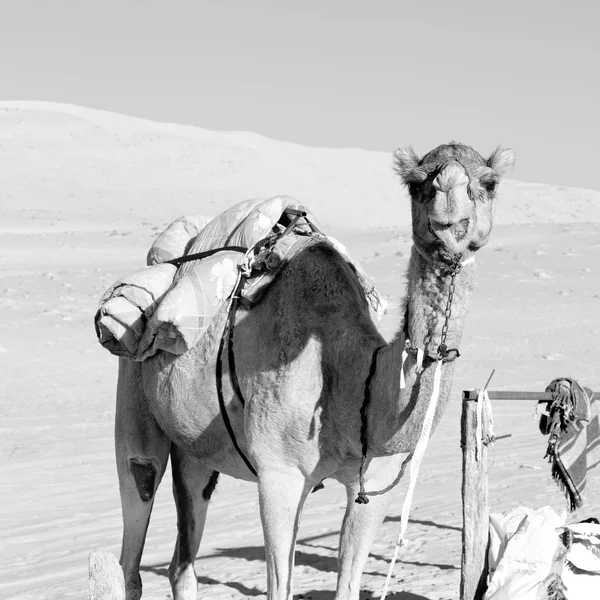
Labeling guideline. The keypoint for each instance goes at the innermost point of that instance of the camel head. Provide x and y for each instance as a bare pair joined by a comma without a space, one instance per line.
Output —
453,194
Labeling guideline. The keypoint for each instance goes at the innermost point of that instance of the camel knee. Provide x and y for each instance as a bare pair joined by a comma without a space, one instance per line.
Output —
144,474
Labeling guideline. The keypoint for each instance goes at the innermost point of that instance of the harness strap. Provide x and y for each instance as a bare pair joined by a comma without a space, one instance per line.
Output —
228,334
235,298
219,378
199,255
293,216
229,325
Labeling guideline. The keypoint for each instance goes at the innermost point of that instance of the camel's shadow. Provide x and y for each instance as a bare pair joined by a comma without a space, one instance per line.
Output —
162,571
312,595
326,564
422,522
304,558
329,594
316,561
398,596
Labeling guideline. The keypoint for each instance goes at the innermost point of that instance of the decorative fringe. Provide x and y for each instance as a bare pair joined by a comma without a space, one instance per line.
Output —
558,474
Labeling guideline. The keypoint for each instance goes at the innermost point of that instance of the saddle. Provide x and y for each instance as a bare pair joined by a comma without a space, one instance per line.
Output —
195,265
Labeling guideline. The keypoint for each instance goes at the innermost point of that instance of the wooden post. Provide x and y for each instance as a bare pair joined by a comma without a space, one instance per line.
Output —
476,511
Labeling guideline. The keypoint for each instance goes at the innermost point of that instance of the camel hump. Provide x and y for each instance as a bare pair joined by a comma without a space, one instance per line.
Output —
106,577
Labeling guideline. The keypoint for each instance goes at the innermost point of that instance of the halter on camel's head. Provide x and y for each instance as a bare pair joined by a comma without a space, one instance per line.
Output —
453,193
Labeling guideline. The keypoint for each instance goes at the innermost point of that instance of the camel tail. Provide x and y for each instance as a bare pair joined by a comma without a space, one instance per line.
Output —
106,577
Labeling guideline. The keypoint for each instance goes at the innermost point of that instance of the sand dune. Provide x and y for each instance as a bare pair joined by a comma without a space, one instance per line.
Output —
82,195
78,164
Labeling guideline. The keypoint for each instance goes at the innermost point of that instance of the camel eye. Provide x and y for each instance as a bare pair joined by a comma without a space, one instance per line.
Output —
490,186
414,190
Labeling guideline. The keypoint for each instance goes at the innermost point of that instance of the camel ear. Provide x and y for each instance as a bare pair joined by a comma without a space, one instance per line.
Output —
502,161
406,164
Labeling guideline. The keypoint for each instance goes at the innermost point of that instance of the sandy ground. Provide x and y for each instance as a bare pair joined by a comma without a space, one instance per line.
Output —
534,317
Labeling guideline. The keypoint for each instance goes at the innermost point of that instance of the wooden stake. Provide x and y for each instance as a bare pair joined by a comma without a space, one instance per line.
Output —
476,512
485,387
106,577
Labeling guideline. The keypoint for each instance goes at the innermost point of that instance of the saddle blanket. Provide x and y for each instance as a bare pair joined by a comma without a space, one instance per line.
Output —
165,307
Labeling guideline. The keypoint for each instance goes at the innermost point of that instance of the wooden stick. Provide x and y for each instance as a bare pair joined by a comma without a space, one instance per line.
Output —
476,512
541,396
489,379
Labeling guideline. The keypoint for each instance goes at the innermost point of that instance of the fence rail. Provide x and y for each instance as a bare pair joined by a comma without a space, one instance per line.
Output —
503,395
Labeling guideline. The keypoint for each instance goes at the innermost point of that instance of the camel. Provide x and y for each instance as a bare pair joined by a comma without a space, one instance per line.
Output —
303,356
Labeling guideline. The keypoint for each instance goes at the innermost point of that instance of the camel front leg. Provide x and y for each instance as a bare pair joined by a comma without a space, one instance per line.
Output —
281,497
142,452
361,522
193,485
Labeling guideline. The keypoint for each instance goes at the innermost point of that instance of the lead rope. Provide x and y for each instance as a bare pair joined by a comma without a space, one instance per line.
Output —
415,465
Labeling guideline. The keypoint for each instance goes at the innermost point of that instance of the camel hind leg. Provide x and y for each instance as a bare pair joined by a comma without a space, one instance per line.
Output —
193,484
142,452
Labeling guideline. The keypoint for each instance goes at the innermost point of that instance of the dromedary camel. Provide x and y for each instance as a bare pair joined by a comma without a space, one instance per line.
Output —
303,356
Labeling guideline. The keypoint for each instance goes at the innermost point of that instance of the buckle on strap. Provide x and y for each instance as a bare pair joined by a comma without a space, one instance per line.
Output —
447,354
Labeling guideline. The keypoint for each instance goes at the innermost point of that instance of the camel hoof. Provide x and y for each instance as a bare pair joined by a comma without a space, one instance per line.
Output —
106,577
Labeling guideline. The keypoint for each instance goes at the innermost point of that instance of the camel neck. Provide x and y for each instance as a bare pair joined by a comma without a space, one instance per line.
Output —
397,414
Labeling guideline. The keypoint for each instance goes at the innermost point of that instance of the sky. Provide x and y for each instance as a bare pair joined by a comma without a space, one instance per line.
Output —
375,75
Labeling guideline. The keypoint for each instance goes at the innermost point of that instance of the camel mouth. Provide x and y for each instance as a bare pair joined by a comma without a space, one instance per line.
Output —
460,229
457,230
453,237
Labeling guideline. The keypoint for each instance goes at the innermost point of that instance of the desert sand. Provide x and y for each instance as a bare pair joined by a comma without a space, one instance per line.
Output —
82,196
